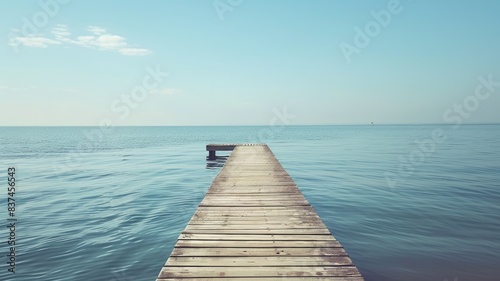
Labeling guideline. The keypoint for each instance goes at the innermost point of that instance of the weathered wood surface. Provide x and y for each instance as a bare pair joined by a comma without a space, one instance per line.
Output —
255,224
220,147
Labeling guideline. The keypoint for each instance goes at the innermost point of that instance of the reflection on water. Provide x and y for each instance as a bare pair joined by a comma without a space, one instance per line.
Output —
217,163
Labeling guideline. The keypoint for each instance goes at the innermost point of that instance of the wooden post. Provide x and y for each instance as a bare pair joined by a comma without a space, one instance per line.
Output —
211,155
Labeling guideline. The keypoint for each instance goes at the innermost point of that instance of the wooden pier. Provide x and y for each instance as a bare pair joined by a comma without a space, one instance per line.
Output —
212,148
255,224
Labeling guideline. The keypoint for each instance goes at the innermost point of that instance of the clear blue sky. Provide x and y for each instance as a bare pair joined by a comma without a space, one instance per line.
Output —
238,62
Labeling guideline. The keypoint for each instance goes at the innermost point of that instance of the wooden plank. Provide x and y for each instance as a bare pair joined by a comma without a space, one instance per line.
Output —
256,182
250,199
258,252
260,231
255,224
261,261
246,221
257,244
256,173
236,272
232,204
286,215
281,190
251,213
294,278
269,196
277,215
220,147
240,218
292,199
253,189
249,225
254,202
257,209
253,220
264,237
265,175
229,226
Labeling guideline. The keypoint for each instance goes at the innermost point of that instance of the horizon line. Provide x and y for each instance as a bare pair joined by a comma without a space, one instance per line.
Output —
292,125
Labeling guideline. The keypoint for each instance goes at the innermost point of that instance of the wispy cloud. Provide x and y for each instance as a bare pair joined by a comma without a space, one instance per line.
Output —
99,38
60,31
96,29
36,41
104,41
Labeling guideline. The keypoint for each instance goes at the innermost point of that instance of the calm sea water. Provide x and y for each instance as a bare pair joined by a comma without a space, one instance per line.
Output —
111,209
